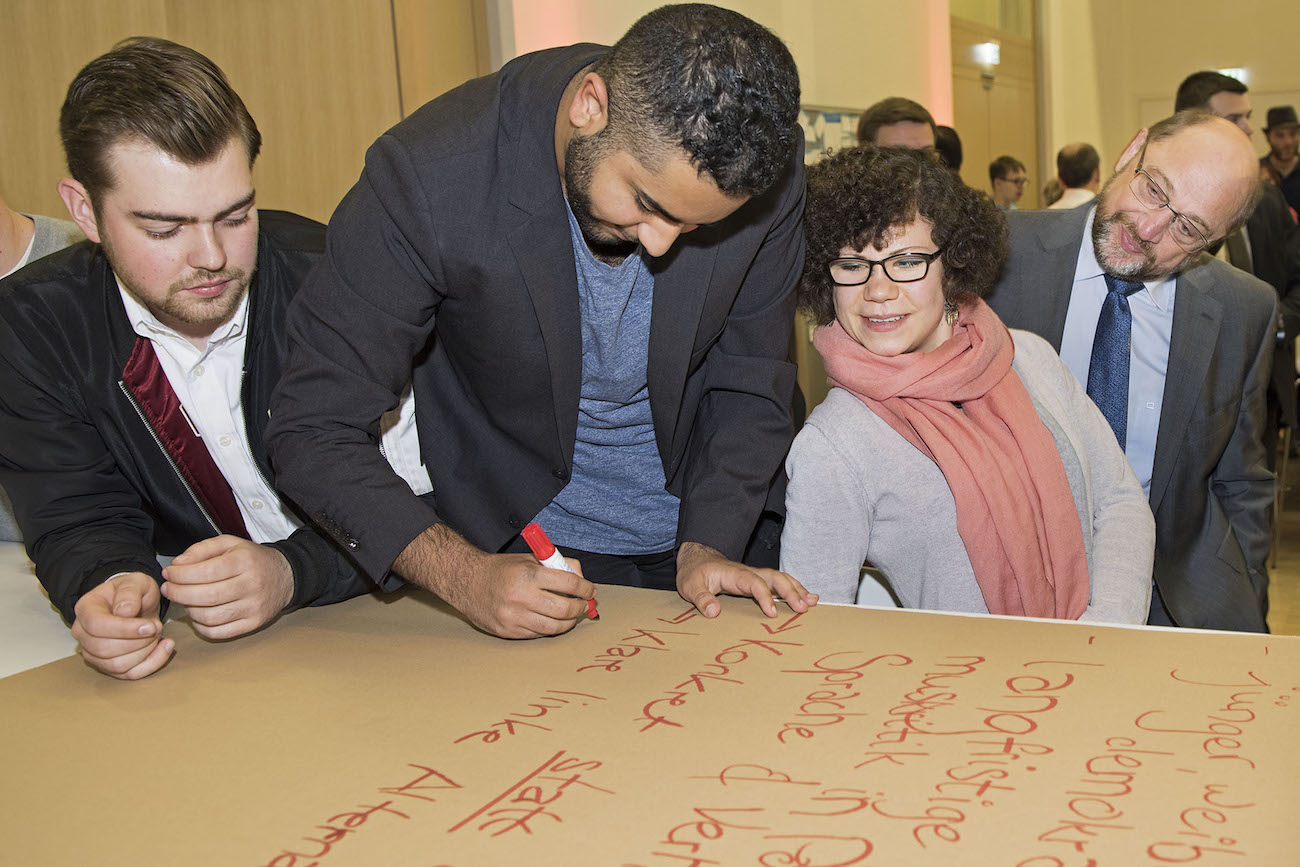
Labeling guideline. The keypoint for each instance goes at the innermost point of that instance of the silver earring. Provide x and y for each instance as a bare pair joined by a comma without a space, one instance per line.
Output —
950,312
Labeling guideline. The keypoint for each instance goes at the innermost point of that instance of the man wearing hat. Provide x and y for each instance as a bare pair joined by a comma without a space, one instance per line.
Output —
1283,134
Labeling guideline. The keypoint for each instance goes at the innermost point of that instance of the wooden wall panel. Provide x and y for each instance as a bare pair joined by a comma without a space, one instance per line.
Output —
1002,119
46,43
319,78
440,44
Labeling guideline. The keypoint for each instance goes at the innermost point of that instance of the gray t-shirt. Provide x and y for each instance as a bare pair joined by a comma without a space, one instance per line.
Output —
615,502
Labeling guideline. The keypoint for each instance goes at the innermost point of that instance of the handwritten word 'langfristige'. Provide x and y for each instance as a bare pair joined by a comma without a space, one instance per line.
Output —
716,672
340,825
551,699
532,798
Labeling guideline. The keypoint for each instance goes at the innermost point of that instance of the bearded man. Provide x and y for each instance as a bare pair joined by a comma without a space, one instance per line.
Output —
1175,347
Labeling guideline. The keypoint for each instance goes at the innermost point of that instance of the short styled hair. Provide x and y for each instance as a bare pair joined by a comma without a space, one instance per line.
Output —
1197,89
708,81
895,109
948,144
1076,164
1003,166
857,196
155,91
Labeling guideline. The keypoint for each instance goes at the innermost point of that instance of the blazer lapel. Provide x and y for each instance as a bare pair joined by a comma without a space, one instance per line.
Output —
679,296
543,251
1197,316
544,254
1054,267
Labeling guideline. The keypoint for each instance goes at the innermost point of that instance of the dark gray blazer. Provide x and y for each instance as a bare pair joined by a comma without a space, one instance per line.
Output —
1210,488
451,258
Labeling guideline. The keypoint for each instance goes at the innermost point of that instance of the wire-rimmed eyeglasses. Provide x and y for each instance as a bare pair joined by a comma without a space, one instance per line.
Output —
1186,234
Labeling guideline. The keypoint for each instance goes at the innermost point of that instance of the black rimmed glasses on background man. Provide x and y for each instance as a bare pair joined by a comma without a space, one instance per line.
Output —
1186,234
901,268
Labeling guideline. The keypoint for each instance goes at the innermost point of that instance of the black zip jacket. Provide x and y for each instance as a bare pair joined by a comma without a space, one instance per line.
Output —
93,491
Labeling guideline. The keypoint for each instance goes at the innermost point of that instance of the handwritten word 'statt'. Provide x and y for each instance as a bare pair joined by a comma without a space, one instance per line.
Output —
533,798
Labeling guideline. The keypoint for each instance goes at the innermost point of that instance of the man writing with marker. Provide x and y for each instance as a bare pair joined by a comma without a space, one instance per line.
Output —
587,260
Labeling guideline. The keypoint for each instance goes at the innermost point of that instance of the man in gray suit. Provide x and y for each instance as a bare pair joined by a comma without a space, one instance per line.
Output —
1185,393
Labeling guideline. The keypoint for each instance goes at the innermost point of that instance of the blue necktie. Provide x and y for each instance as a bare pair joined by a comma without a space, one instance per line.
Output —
1108,369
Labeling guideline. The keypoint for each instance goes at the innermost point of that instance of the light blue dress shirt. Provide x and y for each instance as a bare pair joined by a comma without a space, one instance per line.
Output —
1153,323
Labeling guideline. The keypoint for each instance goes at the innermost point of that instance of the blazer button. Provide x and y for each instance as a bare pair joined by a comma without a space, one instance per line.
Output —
560,473
514,521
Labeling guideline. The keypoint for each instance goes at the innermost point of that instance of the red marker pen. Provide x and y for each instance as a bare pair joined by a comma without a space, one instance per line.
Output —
545,551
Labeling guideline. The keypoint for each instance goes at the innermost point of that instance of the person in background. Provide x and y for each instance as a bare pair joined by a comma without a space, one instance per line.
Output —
897,122
1078,166
948,144
1007,177
962,460
1174,346
1282,162
1052,192
588,261
1268,246
136,371
25,238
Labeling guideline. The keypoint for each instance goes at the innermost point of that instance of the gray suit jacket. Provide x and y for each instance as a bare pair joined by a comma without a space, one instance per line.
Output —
1210,488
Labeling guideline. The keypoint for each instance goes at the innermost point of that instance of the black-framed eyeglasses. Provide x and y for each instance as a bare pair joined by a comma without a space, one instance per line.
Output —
901,268
1185,233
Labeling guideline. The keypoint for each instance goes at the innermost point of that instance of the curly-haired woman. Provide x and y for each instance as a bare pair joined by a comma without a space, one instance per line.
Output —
962,460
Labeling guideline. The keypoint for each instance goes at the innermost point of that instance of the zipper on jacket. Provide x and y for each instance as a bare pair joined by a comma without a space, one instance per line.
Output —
171,460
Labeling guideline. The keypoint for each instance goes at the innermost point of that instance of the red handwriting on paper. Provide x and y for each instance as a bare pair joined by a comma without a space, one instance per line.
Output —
533,798
823,850
550,700
1223,727
935,691
340,825
614,658
1198,827
827,705
1094,806
655,712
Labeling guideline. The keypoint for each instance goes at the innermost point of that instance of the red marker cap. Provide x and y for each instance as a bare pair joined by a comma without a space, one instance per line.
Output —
538,541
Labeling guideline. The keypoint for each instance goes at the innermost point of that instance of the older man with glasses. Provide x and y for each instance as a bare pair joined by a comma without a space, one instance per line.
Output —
1174,346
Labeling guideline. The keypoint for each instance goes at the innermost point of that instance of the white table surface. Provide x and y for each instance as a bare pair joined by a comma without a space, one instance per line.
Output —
31,631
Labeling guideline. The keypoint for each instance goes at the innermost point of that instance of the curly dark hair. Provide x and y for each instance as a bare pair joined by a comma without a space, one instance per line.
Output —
708,81
856,196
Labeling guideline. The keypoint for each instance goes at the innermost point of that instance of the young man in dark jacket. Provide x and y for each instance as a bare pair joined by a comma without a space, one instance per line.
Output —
136,371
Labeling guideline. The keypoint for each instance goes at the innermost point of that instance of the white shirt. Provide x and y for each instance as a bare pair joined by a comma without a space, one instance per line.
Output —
1072,198
208,383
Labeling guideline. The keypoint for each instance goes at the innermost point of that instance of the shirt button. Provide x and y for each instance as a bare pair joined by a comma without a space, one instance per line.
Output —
1151,405
223,441
257,504
198,370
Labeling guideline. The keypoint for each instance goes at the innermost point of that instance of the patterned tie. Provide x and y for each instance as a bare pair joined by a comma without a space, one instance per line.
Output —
1108,369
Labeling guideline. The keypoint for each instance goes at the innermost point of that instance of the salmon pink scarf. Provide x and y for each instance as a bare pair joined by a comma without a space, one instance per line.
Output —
1015,512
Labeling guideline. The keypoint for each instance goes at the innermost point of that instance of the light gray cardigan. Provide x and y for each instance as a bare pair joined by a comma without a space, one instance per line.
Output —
860,491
